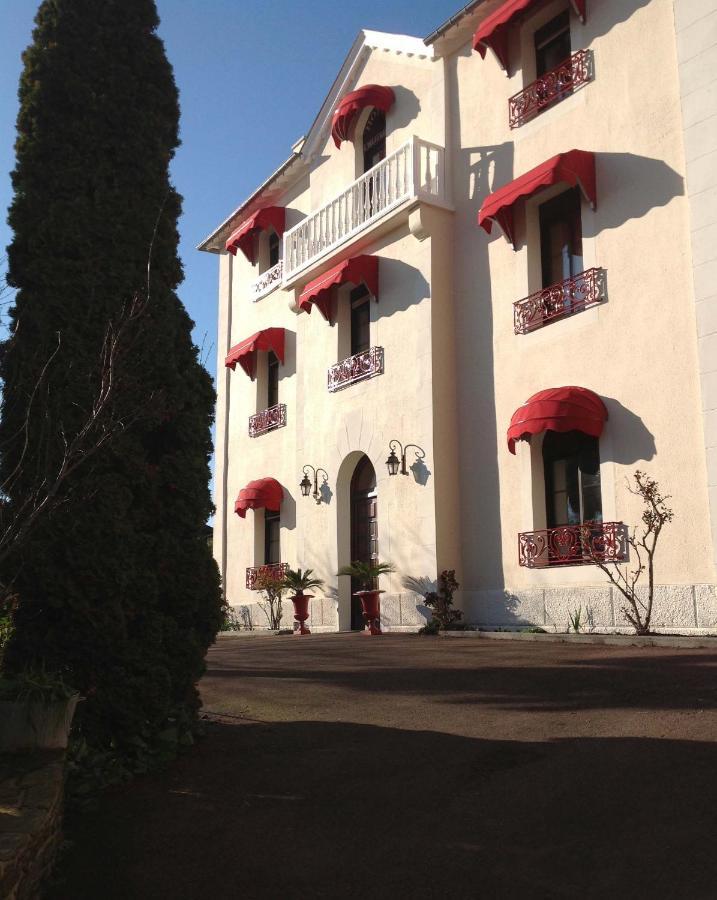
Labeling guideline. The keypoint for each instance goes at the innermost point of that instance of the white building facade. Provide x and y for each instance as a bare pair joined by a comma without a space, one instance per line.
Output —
510,225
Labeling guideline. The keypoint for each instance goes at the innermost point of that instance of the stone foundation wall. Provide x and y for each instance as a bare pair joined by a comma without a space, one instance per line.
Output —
682,608
31,796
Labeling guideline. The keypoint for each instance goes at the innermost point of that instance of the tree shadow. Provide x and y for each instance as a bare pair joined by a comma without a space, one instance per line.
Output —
294,809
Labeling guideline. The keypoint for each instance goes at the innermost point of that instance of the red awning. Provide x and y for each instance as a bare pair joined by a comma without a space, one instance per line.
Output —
245,353
576,167
264,493
243,237
558,409
357,270
493,31
351,105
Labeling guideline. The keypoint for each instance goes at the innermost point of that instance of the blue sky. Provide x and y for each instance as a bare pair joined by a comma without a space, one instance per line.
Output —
251,77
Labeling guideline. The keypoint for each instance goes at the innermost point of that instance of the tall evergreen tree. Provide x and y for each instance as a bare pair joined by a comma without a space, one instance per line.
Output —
117,587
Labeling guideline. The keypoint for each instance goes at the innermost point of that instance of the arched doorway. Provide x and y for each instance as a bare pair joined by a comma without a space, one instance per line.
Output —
364,531
374,139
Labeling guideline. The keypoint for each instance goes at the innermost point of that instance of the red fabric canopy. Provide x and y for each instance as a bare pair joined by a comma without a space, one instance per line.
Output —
264,492
356,270
243,237
493,31
576,167
351,105
558,409
245,353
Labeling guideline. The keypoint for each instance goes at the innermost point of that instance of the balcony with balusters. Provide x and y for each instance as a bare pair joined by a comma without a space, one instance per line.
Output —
413,172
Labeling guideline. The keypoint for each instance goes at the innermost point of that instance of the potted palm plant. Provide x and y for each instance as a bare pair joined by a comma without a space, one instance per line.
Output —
299,581
367,574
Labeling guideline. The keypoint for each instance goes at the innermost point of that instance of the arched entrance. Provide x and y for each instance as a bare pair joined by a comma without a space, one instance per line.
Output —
364,532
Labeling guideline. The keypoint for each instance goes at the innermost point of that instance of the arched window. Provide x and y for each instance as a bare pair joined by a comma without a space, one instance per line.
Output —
571,462
273,249
374,139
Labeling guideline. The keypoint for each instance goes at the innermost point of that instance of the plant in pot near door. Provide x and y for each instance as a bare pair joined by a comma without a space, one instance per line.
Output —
299,581
367,575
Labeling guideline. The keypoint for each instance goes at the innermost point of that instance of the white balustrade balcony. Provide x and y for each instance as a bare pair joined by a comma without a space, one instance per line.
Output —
415,171
267,281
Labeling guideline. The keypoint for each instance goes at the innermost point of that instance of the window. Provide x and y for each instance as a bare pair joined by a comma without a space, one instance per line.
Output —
571,463
272,379
360,320
272,547
561,237
552,44
374,139
273,249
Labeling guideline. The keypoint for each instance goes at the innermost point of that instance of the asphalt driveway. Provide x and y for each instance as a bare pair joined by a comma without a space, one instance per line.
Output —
339,766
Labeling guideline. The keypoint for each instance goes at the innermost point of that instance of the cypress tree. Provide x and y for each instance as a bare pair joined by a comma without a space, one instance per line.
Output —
117,588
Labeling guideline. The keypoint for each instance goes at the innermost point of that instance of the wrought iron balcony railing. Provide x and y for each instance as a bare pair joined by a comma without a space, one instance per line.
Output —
255,573
356,368
559,300
414,170
555,85
267,420
267,281
574,545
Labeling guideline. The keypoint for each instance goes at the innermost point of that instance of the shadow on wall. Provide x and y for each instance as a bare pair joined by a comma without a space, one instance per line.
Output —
422,584
401,286
288,369
406,108
603,17
631,440
629,186
288,510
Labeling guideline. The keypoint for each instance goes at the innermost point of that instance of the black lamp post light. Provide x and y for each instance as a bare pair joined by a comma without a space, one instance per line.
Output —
305,483
393,462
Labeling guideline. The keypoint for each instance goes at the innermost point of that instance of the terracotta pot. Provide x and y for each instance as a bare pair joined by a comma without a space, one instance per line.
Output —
32,726
371,608
301,610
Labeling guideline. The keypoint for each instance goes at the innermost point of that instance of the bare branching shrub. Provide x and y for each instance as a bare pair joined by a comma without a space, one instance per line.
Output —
637,608
272,589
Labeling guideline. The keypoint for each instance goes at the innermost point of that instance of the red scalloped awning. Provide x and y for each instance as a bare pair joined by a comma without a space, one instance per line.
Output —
558,409
264,493
357,270
351,105
245,353
243,237
494,30
576,167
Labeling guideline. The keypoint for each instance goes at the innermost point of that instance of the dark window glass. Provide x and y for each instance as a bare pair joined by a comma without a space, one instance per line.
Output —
360,320
552,44
273,248
561,237
572,478
374,139
272,548
273,380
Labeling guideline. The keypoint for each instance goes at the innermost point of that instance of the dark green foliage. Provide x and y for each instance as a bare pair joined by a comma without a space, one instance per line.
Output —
117,588
441,601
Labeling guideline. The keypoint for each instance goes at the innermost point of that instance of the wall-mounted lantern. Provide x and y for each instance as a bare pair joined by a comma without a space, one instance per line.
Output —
393,462
305,483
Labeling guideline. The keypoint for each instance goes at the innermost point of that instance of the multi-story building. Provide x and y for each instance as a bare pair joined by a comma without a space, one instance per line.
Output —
494,252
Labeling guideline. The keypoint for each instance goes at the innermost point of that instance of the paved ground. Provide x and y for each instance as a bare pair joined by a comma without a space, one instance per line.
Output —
339,766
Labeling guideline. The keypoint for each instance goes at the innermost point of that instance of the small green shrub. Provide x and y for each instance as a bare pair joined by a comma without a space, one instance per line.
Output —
441,601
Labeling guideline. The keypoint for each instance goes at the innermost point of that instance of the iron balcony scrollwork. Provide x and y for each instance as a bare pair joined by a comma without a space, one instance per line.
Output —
356,368
267,420
555,85
273,570
574,545
559,300
267,281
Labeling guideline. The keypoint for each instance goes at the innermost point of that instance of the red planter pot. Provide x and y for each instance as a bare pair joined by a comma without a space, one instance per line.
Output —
371,608
301,611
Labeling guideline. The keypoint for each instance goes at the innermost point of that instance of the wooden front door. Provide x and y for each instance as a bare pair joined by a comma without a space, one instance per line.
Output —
364,530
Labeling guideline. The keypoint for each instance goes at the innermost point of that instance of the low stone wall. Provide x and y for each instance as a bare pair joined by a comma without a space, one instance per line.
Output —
31,795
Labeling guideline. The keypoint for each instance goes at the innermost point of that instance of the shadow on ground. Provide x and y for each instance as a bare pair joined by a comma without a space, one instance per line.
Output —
336,810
